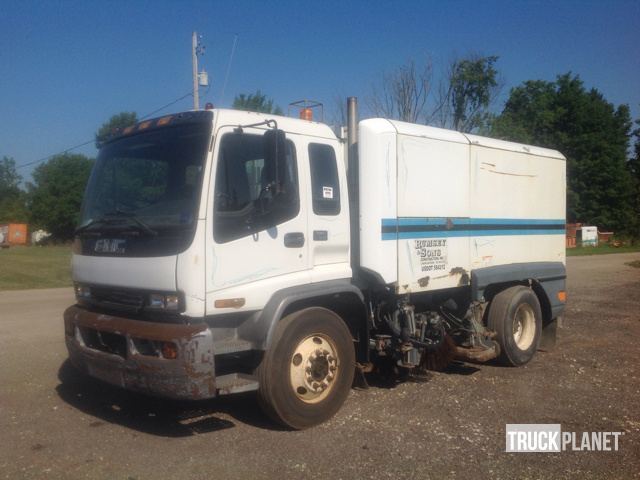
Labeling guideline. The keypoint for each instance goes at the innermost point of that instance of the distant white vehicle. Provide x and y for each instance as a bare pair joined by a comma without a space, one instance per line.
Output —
225,251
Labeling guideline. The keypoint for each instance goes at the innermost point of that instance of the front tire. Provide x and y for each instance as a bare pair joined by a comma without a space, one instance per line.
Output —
516,317
306,375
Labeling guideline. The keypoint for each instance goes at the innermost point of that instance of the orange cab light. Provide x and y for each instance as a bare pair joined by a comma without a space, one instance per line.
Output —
562,296
144,125
306,114
169,350
229,303
164,120
128,130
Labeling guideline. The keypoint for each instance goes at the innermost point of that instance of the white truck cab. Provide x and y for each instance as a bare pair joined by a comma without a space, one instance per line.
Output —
225,251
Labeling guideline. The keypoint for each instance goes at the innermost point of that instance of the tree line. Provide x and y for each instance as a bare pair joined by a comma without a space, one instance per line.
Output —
597,137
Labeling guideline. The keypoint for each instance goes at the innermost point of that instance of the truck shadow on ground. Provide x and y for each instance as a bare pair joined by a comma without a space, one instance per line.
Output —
389,378
174,418
156,416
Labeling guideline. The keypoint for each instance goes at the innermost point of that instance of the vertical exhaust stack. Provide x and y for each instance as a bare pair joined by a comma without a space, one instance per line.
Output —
353,169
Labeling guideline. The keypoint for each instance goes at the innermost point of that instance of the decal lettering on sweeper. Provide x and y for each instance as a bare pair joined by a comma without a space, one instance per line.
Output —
431,254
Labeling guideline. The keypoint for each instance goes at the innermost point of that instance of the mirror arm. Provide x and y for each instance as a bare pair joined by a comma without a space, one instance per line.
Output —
269,123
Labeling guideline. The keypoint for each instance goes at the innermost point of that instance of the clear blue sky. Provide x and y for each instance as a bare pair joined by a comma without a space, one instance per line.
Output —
67,66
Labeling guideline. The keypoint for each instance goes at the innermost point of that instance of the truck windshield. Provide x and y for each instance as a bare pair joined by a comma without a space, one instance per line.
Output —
153,177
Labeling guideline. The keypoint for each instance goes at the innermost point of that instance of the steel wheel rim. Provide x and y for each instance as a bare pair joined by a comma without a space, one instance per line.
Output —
524,326
313,368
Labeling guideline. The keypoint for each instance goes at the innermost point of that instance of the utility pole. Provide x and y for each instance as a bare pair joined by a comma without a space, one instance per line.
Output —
194,59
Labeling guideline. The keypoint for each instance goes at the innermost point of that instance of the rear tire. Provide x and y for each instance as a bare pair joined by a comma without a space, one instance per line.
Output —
306,375
516,317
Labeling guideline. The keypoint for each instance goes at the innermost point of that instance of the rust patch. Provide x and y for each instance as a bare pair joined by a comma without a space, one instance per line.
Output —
464,275
148,330
189,376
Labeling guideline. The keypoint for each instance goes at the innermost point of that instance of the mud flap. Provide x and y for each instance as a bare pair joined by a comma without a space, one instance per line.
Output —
549,333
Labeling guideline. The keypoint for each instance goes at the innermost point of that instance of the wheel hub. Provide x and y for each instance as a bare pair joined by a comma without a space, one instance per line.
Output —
313,368
524,326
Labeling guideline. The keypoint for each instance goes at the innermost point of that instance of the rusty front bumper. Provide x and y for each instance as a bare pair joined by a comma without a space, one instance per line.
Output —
124,352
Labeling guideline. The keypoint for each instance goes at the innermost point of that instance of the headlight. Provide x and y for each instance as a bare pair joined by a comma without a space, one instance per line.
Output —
171,302
82,291
159,301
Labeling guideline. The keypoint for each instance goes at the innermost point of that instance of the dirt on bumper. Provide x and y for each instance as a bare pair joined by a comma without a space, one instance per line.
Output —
189,376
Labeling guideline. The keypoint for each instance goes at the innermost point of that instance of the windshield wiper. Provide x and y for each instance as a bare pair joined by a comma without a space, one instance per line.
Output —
111,218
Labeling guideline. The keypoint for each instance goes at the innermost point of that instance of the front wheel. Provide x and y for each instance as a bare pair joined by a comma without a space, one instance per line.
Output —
306,375
516,317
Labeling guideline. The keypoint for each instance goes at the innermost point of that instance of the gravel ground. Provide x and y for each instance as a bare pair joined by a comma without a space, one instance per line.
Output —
54,423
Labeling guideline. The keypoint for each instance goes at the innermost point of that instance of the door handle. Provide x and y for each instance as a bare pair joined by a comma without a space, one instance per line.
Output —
320,235
294,240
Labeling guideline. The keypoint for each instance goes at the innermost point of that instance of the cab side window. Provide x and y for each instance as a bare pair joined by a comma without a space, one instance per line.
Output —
325,188
254,190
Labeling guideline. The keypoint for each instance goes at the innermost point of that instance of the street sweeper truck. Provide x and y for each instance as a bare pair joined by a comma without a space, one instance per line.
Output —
224,251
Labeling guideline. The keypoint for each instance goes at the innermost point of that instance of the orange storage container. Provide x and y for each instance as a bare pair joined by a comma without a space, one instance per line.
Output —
16,234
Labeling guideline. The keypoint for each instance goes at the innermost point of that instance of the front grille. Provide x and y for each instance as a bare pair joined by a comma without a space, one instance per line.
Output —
117,299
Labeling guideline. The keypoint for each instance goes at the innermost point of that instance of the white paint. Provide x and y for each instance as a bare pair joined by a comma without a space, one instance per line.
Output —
150,273
440,174
254,267
589,236
377,147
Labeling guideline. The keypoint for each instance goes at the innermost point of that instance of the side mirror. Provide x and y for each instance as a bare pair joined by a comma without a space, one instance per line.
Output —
275,149
274,144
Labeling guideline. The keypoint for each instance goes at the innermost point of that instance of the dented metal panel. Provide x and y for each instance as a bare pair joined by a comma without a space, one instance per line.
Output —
191,375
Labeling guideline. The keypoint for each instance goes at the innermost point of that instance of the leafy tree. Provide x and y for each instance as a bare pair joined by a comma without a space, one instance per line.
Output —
111,126
461,102
590,132
55,196
470,88
9,178
14,209
12,198
256,102
634,169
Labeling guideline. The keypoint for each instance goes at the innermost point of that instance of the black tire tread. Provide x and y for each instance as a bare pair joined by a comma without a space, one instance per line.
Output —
268,376
498,311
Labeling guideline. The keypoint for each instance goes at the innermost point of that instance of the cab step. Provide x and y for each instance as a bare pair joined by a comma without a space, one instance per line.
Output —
231,345
236,383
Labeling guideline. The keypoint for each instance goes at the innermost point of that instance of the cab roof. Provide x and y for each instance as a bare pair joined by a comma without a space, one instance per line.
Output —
228,117
288,124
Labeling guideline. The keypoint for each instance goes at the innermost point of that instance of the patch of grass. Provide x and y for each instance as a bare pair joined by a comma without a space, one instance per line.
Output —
635,264
35,267
601,250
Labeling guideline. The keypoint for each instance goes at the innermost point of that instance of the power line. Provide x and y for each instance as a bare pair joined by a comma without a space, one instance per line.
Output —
54,154
226,75
167,105
33,162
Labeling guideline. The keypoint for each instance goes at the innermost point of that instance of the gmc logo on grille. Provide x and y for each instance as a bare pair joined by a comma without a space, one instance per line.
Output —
110,245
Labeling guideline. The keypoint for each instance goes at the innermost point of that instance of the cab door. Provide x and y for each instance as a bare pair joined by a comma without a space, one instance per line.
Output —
257,224
328,212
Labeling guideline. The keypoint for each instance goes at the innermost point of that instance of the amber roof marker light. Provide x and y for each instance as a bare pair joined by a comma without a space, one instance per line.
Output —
306,109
